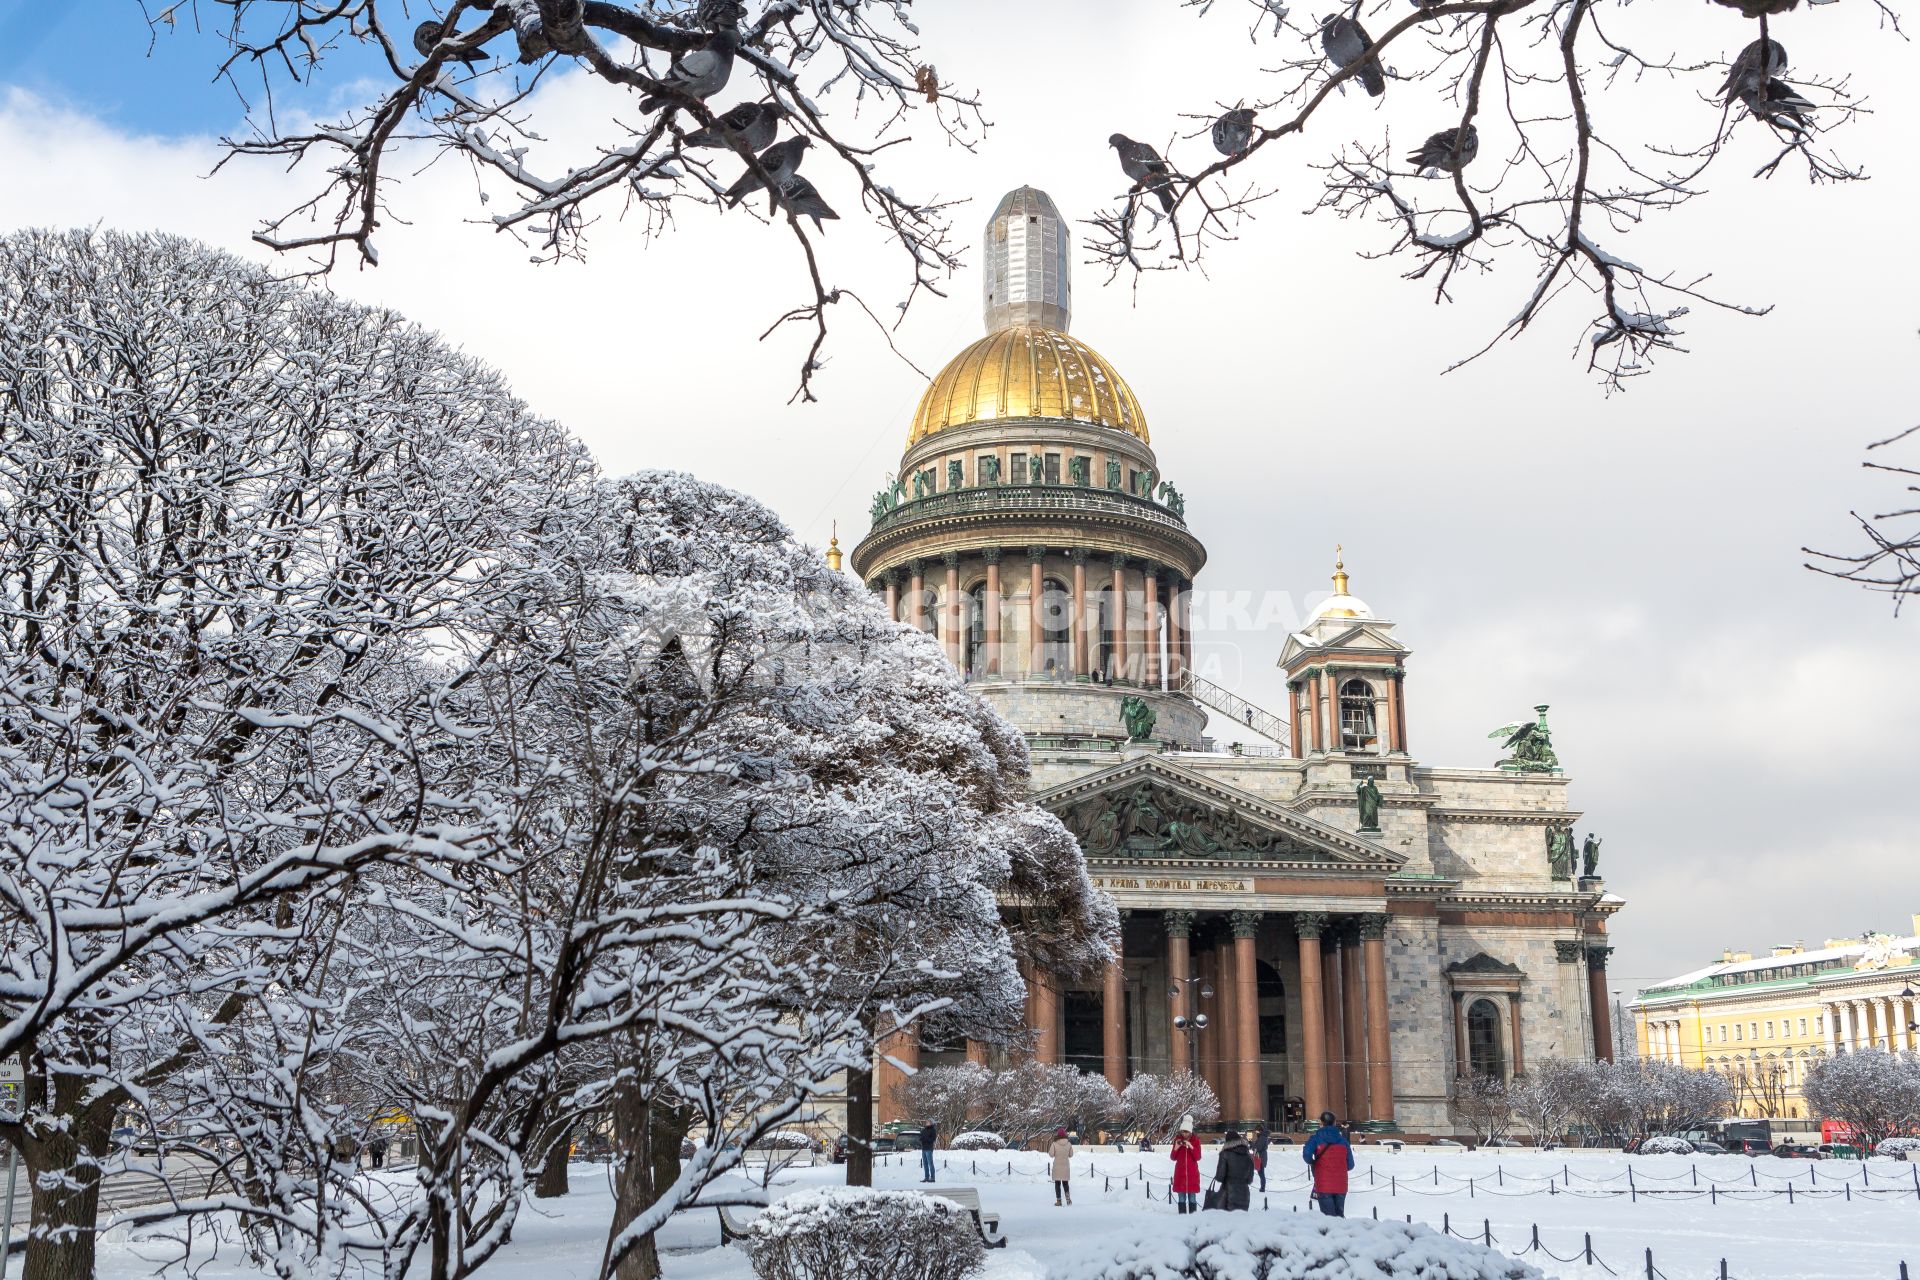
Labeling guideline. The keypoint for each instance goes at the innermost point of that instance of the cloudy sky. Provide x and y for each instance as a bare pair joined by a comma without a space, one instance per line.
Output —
1741,731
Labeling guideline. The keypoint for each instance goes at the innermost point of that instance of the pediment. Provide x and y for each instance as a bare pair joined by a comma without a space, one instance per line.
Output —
1359,639
1152,808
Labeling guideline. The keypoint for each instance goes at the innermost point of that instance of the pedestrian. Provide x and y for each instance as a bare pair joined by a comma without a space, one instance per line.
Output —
1062,1153
1233,1170
377,1152
1261,1141
929,1134
1329,1155
1186,1168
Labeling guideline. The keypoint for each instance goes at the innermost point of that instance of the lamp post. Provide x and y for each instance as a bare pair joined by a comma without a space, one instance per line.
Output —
1191,1027
1908,994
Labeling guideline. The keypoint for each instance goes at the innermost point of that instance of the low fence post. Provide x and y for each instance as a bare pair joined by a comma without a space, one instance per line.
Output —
1393,1184
1586,1247
1713,1194
1446,1224
1649,1264
1789,1192
1486,1232
1469,1186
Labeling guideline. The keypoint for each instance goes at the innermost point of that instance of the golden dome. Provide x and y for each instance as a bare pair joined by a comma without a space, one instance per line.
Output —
1027,372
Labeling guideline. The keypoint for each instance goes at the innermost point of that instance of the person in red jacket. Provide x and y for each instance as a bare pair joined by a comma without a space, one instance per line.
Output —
1186,1169
1330,1157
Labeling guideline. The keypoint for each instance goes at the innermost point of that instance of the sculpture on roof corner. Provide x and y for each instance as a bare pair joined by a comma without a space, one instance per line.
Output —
1529,746
1590,857
1560,852
1138,717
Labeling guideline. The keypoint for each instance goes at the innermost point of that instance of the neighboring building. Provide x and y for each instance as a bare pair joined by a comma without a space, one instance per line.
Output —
1362,970
1763,1022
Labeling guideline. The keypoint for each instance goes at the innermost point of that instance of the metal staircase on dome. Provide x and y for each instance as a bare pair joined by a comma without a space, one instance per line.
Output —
1230,704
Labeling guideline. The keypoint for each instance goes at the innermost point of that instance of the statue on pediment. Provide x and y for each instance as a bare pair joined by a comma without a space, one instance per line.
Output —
1529,746
1560,852
1369,796
1138,717
1590,856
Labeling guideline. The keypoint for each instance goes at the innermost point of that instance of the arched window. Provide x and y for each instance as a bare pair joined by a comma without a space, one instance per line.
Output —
1483,1039
1273,1010
1356,716
976,633
1100,637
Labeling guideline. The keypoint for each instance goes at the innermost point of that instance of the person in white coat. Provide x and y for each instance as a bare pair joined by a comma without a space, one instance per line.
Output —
1062,1153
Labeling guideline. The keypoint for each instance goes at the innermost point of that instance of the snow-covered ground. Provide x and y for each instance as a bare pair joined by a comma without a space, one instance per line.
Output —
1844,1222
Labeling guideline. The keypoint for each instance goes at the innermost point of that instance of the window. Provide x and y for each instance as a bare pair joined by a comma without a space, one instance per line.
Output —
1356,716
1753,1029
1053,468
986,469
1769,1028
1017,468
1803,1026
975,631
1819,1025
1736,1031
1056,617
1483,1039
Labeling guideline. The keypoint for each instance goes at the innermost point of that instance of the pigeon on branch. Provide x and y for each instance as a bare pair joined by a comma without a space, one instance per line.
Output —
1759,8
1437,152
1779,106
1144,165
1233,132
1747,75
751,124
800,195
698,73
779,161
428,35
1346,42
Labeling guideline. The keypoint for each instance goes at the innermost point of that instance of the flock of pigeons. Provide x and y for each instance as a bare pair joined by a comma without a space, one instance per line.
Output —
1752,80
699,74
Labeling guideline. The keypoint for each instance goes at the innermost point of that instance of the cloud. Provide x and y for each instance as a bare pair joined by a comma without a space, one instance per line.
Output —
1742,731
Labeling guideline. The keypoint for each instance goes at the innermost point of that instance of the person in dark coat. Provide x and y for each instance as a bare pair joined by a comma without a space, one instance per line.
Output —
929,1135
1234,1171
1261,1141
377,1152
1330,1156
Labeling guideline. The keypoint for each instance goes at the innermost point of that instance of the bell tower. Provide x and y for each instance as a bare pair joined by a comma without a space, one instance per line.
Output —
1346,678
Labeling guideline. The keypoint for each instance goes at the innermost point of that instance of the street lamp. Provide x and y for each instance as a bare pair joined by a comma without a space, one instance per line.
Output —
1193,1026
1908,994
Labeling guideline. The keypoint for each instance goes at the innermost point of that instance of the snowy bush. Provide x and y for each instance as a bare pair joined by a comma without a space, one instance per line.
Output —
785,1140
1662,1145
1292,1247
978,1140
1897,1147
857,1233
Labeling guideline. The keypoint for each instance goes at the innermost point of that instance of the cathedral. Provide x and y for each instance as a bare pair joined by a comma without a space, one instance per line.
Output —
1320,923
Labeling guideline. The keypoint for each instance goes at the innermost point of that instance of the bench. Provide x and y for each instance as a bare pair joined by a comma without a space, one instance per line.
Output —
968,1198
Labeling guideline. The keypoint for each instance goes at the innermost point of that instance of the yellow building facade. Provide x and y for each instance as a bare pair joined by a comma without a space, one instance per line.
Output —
1764,1021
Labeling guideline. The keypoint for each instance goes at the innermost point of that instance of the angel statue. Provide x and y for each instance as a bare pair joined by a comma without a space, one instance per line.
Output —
1530,746
1138,716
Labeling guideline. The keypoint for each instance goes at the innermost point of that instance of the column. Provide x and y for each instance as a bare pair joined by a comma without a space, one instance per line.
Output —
1597,996
1046,1017
1036,613
899,1046
917,597
1382,724
1390,731
977,1052
1179,927
1462,1060
1311,685
1832,1013
1519,1039
1400,713
1226,1015
892,579
1204,1058
1119,589
952,629
1176,632
1331,996
1352,1022
1183,602
1081,648
1308,925
1331,691
990,601
1868,1035
1139,643
1156,676
1113,1024
1373,946
1843,1026
1253,1087
1905,1011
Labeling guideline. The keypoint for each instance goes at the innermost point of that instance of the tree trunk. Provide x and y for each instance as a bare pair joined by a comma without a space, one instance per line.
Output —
646,1140
860,1128
64,1172
552,1181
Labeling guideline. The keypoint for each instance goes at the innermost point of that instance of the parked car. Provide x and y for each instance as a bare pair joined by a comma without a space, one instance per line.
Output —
1838,1151
1707,1147
1748,1146
1376,1126
1448,1144
1797,1151
1391,1144
839,1154
1506,1142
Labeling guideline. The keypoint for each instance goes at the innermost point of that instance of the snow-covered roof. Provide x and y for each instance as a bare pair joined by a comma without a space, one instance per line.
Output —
1824,955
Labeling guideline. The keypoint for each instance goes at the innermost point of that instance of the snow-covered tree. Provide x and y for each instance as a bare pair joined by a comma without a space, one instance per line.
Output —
952,1097
1546,1098
1154,1105
237,520
1875,1093
1644,1097
1482,1104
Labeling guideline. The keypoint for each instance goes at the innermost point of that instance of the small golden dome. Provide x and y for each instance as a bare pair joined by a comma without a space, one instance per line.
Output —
1027,372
